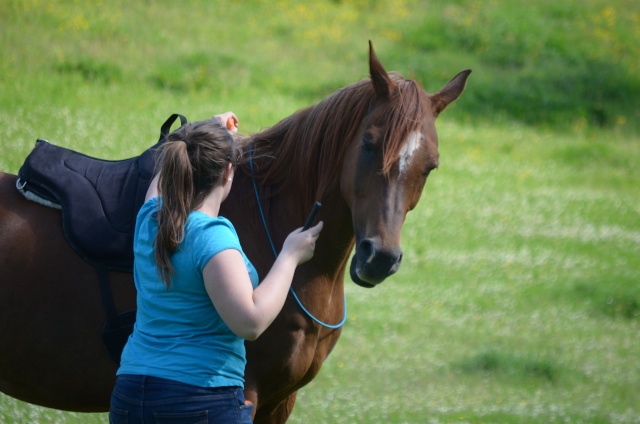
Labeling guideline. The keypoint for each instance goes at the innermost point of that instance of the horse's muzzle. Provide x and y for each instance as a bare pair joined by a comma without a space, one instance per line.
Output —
371,265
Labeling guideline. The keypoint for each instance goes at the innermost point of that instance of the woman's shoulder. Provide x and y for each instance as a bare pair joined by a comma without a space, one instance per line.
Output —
202,219
148,207
200,223
151,203
205,236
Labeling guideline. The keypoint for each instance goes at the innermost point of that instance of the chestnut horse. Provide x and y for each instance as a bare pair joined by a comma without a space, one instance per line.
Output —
365,152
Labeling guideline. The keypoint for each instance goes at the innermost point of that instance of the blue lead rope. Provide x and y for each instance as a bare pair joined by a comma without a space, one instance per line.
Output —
275,253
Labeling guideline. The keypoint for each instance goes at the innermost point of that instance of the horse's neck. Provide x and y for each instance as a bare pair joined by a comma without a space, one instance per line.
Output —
281,213
319,283
336,239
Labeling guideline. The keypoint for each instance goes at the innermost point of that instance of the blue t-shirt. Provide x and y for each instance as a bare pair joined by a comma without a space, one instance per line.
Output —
178,334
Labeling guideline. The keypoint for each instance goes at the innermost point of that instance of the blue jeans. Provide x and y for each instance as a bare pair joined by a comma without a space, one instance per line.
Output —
143,399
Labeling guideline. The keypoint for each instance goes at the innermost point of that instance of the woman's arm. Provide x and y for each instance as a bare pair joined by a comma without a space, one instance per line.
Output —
246,311
152,191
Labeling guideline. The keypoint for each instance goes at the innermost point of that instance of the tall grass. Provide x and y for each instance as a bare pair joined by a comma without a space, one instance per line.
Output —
519,297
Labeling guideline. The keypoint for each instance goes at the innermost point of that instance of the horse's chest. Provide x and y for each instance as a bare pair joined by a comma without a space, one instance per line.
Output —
311,350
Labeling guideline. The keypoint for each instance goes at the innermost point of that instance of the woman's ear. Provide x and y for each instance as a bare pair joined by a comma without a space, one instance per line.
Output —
228,174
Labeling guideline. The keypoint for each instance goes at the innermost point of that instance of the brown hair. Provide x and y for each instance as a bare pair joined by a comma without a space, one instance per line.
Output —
191,163
317,138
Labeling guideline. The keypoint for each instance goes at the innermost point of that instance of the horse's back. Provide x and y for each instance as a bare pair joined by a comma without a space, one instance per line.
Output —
7,194
27,230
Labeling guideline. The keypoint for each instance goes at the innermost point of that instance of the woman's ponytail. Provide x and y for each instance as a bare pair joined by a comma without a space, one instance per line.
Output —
191,163
176,186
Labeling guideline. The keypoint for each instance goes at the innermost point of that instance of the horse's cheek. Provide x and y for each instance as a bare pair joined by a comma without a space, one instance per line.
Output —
348,184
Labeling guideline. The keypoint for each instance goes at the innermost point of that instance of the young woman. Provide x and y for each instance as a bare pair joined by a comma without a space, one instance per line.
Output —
198,294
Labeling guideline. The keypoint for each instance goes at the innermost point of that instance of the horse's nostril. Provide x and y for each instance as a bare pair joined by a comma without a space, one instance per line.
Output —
396,266
366,251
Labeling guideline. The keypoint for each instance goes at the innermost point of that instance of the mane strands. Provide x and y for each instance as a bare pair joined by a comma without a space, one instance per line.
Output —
310,145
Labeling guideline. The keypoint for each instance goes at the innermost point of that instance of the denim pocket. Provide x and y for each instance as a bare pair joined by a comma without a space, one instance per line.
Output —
118,416
246,410
199,417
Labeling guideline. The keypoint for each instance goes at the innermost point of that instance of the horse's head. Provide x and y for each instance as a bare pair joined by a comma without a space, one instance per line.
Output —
387,165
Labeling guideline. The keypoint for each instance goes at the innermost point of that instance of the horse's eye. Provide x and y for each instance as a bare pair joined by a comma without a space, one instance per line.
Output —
367,144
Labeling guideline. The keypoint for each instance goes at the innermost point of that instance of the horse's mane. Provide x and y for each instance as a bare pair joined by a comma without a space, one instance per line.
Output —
304,153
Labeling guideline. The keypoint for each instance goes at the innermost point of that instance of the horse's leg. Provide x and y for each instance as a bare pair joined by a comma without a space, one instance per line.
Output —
278,414
279,364
51,315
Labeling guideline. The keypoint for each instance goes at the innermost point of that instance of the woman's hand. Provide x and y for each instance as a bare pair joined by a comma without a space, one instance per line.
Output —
301,244
229,120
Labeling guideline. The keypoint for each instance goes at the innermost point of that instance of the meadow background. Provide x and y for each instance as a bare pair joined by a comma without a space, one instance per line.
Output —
519,297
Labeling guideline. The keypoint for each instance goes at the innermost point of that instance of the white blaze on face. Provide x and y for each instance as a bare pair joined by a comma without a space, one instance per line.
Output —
406,154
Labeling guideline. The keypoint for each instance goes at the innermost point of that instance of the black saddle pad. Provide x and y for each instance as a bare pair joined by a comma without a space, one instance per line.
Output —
99,198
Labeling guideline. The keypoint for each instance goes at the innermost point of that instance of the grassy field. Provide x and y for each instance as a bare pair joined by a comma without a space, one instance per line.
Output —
519,297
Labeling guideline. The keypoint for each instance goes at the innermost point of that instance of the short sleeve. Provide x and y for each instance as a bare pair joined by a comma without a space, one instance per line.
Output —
148,208
208,237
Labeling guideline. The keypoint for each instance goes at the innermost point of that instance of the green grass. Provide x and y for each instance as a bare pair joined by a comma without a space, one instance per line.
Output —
517,300
519,297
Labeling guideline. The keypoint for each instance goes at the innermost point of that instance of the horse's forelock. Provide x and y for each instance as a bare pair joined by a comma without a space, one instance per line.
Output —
404,115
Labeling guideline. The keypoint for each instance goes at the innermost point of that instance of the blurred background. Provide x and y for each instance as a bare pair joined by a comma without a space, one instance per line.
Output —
519,297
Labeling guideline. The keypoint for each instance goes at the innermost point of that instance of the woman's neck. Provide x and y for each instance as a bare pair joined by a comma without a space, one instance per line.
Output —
211,203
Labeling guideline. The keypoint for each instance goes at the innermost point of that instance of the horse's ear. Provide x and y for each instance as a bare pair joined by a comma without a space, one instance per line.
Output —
449,92
382,84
